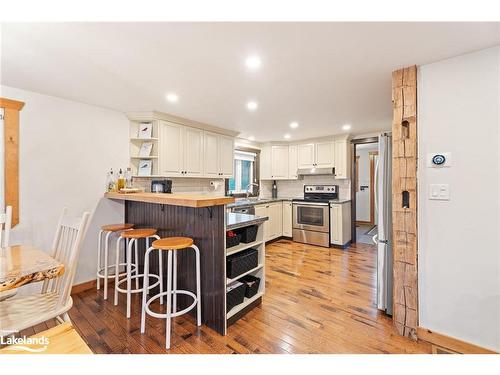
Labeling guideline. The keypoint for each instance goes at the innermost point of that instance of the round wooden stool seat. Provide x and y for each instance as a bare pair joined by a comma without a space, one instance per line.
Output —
116,227
139,233
172,243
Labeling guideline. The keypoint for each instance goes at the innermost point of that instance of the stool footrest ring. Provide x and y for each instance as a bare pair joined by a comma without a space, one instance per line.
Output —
112,276
172,315
140,290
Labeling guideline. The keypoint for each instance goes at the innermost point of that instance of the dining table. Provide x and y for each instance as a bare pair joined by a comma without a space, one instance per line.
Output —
24,264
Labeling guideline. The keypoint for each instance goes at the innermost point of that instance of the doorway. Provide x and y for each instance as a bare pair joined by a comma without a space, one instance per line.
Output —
365,214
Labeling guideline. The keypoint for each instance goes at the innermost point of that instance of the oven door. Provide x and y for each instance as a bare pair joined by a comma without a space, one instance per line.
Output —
311,216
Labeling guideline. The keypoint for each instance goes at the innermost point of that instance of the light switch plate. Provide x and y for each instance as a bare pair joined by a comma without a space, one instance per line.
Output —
439,192
447,163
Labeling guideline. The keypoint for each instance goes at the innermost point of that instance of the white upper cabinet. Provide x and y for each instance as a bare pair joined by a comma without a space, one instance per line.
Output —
226,156
324,152
279,162
211,155
305,155
171,149
342,158
193,158
292,162
218,155
265,163
319,154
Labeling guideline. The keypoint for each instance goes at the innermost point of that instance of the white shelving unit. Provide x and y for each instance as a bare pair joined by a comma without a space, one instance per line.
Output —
136,143
258,271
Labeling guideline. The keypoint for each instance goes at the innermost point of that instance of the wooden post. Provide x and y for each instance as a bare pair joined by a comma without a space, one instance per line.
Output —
11,154
404,200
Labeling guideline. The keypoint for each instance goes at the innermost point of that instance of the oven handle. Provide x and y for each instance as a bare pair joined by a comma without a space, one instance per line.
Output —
310,204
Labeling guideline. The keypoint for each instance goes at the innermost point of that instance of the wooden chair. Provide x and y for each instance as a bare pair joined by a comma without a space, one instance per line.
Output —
54,301
5,225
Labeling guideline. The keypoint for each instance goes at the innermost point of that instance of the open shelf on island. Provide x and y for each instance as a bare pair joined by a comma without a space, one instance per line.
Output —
244,304
229,281
242,246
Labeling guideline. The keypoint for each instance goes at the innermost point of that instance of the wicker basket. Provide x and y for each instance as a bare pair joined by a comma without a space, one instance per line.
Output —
241,262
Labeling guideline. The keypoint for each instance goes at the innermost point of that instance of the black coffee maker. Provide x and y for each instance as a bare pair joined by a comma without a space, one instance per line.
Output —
161,186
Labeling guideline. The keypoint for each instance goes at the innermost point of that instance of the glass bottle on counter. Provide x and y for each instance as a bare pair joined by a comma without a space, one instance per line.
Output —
121,180
110,181
128,178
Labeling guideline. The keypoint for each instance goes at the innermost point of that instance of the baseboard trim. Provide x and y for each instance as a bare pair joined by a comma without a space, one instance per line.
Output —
451,343
92,284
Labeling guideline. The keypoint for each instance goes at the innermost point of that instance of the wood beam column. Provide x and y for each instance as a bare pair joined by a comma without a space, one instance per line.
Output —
404,200
11,154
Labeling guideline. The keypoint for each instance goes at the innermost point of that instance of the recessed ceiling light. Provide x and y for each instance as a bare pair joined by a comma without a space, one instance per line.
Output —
253,62
294,125
346,127
251,138
172,97
252,105
287,136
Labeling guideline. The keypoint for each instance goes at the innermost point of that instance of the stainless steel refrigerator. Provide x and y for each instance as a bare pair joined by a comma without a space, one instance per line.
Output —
383,239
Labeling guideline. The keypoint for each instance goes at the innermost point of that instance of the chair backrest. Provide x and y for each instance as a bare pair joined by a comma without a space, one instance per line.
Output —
67,244
5,224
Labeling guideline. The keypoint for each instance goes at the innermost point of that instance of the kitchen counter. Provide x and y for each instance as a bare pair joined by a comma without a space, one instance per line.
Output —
185,200
339,201
236,220
254,201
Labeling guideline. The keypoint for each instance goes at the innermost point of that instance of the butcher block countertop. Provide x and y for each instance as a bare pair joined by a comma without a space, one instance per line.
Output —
186,200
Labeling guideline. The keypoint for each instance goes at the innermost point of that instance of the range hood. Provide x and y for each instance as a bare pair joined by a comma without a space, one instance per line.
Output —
316,171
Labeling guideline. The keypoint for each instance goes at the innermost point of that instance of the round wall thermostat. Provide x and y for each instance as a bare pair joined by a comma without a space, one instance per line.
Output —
438,159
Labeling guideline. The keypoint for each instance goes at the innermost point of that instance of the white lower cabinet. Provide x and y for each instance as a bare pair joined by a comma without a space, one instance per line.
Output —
340,223
272,227
287,218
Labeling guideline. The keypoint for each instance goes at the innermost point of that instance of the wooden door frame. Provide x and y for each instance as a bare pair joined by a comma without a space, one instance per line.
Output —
371,155
354,143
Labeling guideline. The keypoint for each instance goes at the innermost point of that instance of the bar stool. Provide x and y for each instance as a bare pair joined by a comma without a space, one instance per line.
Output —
102,270
171,244
132,236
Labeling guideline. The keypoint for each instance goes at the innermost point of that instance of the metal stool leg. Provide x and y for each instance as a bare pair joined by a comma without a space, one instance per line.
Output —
198,285
174,278
106,253
99,259
136,262
169,300
145,286
160,273
117,266
129,275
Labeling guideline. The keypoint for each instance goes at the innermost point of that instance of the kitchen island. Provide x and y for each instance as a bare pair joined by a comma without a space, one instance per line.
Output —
203,218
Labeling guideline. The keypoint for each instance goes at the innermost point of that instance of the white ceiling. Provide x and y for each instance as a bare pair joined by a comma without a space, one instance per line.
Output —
322,75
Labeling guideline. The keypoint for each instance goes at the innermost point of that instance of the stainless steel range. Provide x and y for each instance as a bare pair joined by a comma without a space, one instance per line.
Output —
311,215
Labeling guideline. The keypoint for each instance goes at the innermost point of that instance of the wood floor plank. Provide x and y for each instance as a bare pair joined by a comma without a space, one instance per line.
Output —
317,300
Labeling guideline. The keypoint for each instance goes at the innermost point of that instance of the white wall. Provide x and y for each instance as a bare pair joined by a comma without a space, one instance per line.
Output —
459,240
66,149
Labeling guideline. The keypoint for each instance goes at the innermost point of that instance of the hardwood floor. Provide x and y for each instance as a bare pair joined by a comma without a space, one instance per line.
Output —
317,301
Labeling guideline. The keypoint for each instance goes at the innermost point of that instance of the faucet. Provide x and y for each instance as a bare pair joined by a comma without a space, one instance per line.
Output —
252,184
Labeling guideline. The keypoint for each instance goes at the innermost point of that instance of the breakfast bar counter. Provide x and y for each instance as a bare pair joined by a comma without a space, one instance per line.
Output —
200,217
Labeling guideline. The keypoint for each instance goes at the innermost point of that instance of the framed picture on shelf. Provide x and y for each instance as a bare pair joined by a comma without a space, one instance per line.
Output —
146,148
144,168
145,130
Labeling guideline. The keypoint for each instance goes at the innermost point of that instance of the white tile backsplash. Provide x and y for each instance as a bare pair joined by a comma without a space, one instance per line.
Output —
295,188
185,185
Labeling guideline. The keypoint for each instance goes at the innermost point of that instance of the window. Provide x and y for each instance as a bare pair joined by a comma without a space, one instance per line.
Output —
244,172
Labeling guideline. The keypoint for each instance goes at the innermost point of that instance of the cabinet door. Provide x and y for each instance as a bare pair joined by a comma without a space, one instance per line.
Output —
336,224
287,219
211,155
193,152
342,158
292,162
278,219
261,210
171,149
265,163
305,155
226,155
279,162
324,154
